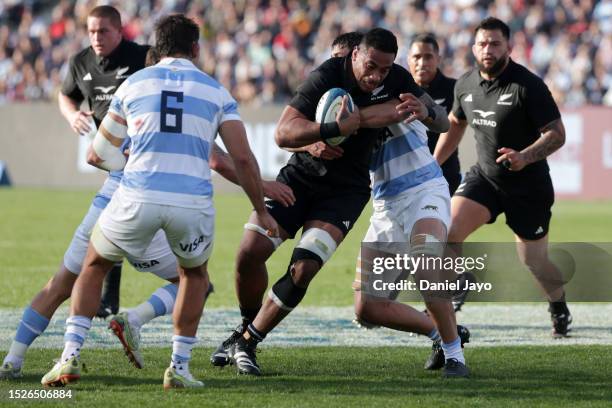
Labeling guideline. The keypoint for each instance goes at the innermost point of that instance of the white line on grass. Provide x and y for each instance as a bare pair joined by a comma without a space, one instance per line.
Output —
491,325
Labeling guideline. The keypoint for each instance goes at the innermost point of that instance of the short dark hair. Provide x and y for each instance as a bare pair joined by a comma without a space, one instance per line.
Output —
348,40
426,38
380,39
107,12
175,34
492,23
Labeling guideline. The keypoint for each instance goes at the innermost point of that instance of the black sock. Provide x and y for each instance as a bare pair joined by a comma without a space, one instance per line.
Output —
112,283
248,315
558,307
256,335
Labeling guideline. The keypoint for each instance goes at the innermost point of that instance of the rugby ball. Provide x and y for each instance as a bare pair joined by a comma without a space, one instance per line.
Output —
328,108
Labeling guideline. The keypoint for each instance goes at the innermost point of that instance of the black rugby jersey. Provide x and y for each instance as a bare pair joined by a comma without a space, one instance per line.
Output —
505,112
441,91
97,78
351,171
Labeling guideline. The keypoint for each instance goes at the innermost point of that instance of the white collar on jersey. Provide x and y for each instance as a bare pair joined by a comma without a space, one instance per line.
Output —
176,61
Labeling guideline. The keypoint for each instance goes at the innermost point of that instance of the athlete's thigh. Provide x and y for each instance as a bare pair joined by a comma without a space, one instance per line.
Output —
158,258
129,225
339,208
290,219
428,213
528,208
475,203
384,225
75,254
190,233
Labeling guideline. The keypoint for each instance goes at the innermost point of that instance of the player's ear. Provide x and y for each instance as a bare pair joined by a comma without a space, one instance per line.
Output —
195,50
355,53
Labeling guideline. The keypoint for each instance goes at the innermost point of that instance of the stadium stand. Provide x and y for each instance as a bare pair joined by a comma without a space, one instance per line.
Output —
261,49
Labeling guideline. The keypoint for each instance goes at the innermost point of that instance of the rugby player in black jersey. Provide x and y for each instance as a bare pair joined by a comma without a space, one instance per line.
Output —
94,74
330,194
517,125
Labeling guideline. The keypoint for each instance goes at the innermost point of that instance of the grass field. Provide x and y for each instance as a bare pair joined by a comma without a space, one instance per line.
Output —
36,227
351,377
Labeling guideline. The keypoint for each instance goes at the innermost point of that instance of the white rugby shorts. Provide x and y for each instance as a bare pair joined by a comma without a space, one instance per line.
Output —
158,259
130,227
394,218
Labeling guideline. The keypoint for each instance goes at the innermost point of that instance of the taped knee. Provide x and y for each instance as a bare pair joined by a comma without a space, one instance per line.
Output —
426,245
317,241
285,293
276,241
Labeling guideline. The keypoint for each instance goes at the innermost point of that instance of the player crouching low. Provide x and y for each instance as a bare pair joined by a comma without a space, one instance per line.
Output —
411,205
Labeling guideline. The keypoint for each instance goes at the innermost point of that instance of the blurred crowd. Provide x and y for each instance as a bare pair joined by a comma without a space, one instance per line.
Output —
261,49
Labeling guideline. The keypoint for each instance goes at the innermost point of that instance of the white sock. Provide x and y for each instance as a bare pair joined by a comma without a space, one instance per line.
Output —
71,348
140,315
434,335
16,354
77,328
453,350
160,303
181,354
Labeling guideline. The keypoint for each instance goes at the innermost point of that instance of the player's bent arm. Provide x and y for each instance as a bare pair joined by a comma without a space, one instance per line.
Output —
296,149
222,163
234,137
553,137
381,115
294,130
233,134
70,111
67,106
448,142
107,142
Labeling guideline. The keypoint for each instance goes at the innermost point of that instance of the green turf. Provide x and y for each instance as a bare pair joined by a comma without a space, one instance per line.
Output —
36,227
340,377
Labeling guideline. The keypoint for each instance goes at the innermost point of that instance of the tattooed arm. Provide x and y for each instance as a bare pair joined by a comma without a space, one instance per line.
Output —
553,137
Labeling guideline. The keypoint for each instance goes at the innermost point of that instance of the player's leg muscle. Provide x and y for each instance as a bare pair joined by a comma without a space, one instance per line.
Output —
466,217
55,292
315,247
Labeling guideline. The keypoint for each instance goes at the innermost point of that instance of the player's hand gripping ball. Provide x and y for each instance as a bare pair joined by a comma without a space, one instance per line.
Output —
328,108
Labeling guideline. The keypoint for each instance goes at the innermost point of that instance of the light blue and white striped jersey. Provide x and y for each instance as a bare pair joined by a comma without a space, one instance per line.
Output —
403,161
173,112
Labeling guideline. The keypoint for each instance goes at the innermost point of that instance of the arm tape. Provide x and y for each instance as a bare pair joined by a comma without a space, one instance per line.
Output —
113,127
112,156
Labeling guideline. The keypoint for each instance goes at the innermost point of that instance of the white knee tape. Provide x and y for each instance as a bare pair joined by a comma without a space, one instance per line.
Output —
318,241
426,244
276,241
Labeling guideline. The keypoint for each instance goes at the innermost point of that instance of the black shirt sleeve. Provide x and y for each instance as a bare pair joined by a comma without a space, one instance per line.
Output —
70,87
310,91
457,109
539,103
